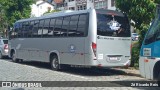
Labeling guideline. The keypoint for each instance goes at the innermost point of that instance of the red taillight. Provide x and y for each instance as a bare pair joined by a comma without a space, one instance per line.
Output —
94,47
5,46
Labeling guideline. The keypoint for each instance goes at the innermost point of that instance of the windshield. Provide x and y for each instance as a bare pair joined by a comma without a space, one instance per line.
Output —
111,25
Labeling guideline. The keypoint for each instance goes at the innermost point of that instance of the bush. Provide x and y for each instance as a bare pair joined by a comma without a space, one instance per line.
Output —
135,57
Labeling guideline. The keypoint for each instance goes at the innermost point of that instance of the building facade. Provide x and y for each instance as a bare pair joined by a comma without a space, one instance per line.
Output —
40,7
84,4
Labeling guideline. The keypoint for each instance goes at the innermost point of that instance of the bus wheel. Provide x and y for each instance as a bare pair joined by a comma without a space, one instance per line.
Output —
54,63
14,59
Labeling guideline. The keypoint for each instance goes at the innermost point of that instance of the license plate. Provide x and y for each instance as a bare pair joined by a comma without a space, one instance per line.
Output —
113,58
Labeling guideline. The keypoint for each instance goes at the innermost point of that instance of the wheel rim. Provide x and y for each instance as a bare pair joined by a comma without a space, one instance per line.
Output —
55,63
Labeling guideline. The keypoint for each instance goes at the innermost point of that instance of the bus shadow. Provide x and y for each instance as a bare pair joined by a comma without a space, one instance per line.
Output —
98,72
80,71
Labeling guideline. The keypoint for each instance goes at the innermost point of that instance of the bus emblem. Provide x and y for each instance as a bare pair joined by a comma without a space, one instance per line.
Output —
114,25
72,48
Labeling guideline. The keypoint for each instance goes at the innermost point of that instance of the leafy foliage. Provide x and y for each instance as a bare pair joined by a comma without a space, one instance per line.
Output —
141,12
16,9
53,11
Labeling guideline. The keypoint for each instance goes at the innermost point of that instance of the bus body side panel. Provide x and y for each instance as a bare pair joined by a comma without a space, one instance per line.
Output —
71,50
141,66
89,55
146,61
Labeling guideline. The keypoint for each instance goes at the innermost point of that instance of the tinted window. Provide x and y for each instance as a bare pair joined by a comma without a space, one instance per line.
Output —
65,26
153,31
46,28
82,25
20,34
25,29
111,25
51,27
13,33
58,27
35,28
73,25
31,29
5,41
40,30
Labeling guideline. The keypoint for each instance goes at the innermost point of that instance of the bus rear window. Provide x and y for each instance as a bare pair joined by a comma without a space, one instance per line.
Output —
5,41
111,25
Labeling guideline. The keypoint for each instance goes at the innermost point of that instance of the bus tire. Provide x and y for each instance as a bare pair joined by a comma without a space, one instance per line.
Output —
13,56
158,81
55,63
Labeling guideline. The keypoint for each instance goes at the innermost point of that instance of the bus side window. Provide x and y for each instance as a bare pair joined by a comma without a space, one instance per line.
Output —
58,27
35,28
20,31
30,29
51,27
46,28
65,26
40,29
151,35
73,26
26,29
82,25
15,30
158,32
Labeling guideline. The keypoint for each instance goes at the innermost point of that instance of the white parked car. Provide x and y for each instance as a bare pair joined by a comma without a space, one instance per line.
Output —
3,47
135,36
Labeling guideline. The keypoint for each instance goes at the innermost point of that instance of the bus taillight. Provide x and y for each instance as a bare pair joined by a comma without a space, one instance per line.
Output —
94,47
6,48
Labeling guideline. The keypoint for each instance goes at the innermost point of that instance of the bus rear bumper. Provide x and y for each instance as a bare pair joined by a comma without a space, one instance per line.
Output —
126,64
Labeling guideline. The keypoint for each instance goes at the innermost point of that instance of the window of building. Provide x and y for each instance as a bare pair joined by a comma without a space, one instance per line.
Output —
71,8
84,7
112,3
71,0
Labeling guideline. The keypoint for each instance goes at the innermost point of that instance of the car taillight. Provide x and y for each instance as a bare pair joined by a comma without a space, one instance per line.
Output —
94,47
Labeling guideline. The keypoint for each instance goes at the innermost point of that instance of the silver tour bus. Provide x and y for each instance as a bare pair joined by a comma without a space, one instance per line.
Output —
92,38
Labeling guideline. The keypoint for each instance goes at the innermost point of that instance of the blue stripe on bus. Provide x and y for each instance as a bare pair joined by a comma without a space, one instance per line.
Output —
155,49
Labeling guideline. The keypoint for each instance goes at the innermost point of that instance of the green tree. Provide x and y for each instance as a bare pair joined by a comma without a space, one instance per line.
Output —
141,12
53,11
16,9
